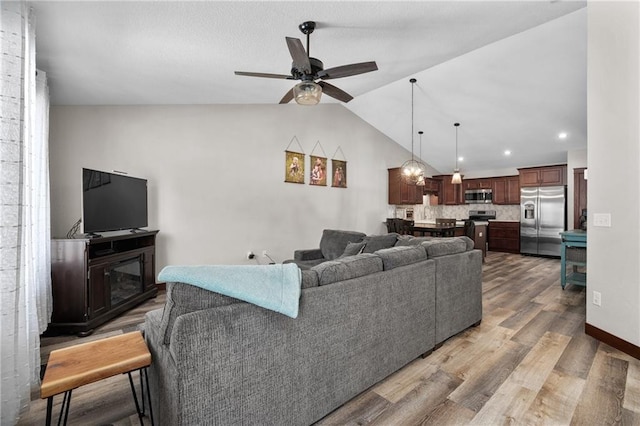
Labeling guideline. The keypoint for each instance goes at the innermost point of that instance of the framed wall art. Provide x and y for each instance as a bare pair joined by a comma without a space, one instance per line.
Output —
339,173
294,167
294,163
318,175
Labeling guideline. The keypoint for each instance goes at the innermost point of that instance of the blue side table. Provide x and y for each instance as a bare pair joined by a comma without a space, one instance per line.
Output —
573,258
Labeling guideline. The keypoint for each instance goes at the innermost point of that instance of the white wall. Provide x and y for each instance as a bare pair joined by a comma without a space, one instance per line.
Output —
613,253
575,159
216,174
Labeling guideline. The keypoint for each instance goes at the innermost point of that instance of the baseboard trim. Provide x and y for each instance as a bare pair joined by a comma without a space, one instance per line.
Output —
162,286
613,341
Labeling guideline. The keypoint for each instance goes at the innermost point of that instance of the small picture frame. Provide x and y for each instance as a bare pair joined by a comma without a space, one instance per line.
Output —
294,167
318,173
339,173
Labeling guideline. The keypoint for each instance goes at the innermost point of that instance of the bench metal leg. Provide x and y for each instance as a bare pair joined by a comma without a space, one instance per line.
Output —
146,377
64,408
135,398
49,410
67,397
141,413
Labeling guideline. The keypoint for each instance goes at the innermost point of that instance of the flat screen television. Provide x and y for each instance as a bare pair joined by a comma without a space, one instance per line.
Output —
112,201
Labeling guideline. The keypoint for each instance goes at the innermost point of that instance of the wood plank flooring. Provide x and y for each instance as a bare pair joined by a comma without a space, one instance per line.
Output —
529,362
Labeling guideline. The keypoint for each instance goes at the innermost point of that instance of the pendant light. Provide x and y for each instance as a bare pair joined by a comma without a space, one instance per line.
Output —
456,179
420,181
412,170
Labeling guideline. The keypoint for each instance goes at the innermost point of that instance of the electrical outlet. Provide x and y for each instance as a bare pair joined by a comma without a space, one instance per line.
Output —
602,219
597,298
250,255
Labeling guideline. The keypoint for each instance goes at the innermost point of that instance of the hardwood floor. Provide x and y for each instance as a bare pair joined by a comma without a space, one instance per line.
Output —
529,362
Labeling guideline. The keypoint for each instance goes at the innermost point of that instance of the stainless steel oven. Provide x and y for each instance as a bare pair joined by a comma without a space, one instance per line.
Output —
478,196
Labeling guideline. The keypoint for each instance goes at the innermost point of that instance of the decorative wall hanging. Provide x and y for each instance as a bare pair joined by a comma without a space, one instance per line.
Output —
339,171
318,167
294,164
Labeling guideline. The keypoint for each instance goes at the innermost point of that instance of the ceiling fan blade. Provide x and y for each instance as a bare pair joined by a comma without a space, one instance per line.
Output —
348,70
287,97
299,55
334,92
266,75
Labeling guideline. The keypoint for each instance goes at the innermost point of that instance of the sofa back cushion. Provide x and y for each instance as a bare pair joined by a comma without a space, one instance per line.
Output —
399,256
184,298
374,243
333,242
309,279
445,246
410,240
347,268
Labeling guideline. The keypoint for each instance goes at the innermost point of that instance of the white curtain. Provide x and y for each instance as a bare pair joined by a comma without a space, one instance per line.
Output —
25,277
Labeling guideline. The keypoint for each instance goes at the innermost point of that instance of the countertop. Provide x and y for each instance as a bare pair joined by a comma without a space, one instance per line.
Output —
504,220
433,222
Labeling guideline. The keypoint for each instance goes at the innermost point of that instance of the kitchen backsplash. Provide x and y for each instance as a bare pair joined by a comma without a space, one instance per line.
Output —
460,212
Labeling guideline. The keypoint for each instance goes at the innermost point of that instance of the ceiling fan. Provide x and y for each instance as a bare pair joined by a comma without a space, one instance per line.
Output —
312,74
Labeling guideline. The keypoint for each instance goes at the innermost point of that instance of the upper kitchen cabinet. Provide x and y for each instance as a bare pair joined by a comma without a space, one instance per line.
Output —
506,190
401,192
431,186
477,183
450,194
543,176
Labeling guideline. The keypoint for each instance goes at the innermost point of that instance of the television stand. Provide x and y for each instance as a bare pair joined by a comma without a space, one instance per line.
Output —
94,279
92,235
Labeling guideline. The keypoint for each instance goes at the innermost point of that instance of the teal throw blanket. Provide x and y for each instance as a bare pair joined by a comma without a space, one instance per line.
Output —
274,287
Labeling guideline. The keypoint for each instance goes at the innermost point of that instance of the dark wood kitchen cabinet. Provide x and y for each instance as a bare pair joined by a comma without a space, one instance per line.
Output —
401,192
450,194
504,236
579,195
95,279
431,186
485,183
543,176
506,190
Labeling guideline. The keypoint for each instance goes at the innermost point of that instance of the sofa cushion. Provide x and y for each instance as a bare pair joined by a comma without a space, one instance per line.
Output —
347,268
379,242
445,246
184,298
394,257
352,249
333,242
410,240
470,243
309,279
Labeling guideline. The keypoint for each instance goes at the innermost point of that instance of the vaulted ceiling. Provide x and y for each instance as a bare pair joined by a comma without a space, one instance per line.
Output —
512,73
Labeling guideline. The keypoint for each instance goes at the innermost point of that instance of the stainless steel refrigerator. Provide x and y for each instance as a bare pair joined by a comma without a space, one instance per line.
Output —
542,218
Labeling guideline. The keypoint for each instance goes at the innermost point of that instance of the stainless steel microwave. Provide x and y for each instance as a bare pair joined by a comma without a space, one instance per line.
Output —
478,196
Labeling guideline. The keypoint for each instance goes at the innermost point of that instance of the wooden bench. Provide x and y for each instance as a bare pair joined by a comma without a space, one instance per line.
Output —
75,366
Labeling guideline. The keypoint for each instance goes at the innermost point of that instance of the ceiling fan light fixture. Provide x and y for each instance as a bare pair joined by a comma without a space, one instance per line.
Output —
307,93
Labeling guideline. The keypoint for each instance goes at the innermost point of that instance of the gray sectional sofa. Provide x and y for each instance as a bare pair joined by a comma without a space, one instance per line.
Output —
220,361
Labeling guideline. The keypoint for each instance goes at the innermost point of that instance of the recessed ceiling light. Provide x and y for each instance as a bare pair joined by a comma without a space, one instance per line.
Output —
507,152
460,158
562,135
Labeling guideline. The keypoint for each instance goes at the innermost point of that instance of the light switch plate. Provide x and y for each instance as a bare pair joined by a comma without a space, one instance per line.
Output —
602,219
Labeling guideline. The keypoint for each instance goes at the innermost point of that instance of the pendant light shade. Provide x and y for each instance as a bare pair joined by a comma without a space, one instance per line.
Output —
457,178
421,181
413,170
